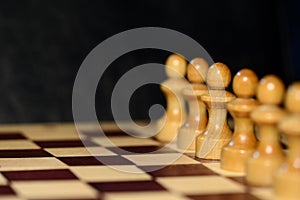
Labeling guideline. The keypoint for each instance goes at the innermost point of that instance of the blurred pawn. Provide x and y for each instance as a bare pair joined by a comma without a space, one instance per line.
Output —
197,118
267,158
287,178
243,142
172,88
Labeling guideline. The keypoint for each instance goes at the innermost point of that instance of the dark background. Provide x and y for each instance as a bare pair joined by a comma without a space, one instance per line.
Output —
43,43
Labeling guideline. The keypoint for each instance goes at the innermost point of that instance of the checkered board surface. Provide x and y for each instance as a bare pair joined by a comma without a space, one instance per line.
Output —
51,162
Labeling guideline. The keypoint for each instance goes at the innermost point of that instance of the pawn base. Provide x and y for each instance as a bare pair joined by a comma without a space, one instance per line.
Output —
168,132
210,148
261,170
234,159
286,186
186,138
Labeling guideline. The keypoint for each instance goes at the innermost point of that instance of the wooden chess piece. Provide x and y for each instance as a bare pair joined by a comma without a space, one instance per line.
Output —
172,88
243,142
217,133
197,118
287,178
268,156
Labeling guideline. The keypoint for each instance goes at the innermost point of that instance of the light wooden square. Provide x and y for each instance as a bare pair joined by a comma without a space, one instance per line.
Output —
107,174
13,164
52,134
160,159
79,151
201,185
143,196
17,145
123,141
66,189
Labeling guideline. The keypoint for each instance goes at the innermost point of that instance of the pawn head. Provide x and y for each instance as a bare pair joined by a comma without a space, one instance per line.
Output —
197,70
245,83
292,100
218,76
270,90
175,66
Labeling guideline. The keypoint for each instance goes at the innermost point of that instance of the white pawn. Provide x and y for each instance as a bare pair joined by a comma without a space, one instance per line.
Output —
287,179
217,133
267,158
197,118
172,88
243,142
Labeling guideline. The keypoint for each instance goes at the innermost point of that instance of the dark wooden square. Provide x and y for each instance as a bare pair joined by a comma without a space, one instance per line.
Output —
11,136
128,186
26,153
6,190
127,150
58,174
178,170
90,160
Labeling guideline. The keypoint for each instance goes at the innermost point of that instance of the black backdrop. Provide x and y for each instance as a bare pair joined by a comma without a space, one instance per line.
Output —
43,43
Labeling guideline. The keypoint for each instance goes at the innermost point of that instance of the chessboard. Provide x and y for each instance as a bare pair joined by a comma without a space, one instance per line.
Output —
51,161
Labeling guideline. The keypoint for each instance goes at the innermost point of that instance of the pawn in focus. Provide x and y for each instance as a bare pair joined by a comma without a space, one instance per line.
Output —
217,133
